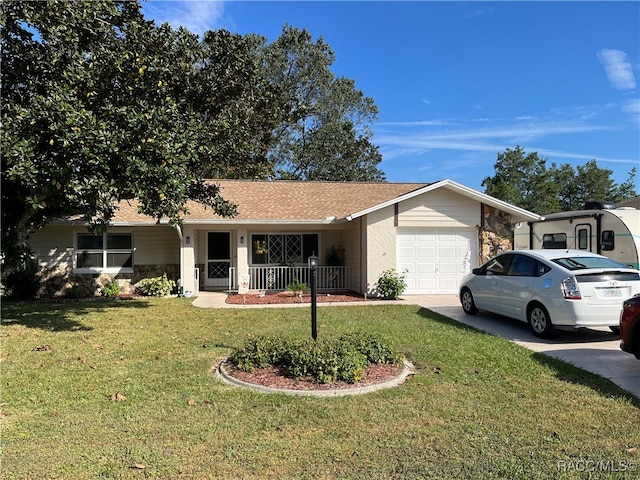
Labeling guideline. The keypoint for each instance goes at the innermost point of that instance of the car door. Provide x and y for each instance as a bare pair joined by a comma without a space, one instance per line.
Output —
488,283
517,286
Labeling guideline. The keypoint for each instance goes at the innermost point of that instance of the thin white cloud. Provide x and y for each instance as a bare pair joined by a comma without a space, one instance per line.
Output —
632,106
617,68
420,123
196,16
531,130
489,140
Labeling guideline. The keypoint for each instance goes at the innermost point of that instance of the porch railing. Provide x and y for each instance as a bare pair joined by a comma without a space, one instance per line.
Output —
278,278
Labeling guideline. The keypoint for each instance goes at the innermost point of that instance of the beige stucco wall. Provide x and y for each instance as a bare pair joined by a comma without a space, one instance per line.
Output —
381,245
354,257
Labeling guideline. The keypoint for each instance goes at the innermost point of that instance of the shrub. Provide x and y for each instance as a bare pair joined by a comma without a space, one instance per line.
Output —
374,347
259,353
324,361
22,283
297,287
391,284
155,287
76,291
111,290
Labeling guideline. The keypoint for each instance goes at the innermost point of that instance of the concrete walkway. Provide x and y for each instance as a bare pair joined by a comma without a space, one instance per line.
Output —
595,350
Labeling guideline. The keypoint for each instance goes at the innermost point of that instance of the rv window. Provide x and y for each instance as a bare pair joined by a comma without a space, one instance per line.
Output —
554,240
608,240
583,239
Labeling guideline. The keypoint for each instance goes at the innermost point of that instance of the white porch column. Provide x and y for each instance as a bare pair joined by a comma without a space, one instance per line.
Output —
188,260
242,251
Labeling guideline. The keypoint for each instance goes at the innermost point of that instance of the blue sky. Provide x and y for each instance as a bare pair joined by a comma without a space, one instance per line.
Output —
458,82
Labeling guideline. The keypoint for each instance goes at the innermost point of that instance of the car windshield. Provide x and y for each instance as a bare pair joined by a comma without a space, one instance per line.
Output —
580,263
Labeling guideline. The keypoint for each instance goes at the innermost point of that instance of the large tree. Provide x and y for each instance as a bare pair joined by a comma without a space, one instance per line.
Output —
524,180
100,105
324,131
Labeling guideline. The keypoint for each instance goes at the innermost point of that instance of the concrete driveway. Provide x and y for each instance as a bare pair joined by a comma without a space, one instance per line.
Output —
595,350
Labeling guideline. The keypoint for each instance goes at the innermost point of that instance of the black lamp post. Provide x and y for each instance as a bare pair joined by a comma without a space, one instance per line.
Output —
313,265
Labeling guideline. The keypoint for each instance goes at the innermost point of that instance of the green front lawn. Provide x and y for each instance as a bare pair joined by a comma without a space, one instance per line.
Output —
479,407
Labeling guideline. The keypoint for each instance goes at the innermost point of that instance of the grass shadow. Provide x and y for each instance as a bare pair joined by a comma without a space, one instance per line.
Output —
60,315
571,374
563,370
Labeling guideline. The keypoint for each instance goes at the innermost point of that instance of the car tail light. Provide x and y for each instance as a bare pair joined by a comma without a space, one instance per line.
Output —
570,289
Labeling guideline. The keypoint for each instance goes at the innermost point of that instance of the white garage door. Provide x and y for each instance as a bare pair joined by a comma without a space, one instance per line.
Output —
436,259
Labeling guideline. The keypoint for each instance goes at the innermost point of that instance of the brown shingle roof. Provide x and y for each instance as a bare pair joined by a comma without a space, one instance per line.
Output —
632,202
287,200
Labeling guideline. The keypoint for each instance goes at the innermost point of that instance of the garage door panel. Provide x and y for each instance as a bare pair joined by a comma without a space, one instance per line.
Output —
427,284
425,252
407,252
425,268
449,284
409,266
445,268
447,251
436,259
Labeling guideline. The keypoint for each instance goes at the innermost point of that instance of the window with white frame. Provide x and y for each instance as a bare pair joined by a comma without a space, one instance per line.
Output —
283,249
109,252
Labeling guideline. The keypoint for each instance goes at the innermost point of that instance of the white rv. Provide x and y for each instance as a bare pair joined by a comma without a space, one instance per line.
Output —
600,228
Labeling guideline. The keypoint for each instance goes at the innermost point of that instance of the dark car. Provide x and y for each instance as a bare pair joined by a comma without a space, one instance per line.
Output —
630,326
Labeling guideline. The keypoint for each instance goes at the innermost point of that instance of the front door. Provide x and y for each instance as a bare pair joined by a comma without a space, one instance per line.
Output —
218,259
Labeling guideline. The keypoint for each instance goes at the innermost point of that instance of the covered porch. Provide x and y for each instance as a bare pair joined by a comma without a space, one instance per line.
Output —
268,260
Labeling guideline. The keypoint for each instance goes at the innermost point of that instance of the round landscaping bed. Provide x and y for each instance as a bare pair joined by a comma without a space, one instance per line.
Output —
274,380
351,363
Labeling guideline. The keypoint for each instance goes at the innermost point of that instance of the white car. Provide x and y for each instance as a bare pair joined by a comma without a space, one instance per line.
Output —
564,289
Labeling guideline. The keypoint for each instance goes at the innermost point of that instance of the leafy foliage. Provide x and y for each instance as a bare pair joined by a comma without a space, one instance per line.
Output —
156,286
297,287
525,180
22,283
111,289
101,106
344,359
391,284
323,133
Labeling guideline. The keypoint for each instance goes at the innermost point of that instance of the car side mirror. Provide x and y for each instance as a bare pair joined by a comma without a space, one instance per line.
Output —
476,271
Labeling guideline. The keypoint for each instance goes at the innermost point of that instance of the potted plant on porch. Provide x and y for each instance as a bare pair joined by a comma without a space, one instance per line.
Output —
260,246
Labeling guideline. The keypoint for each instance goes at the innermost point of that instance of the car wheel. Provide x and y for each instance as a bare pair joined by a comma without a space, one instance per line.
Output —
468,305
615,330
539,321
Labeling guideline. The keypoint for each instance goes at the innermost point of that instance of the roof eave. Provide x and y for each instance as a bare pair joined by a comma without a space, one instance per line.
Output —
253,221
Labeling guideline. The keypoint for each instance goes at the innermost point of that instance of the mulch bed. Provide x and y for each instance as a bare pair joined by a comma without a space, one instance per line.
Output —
274,377
289,297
